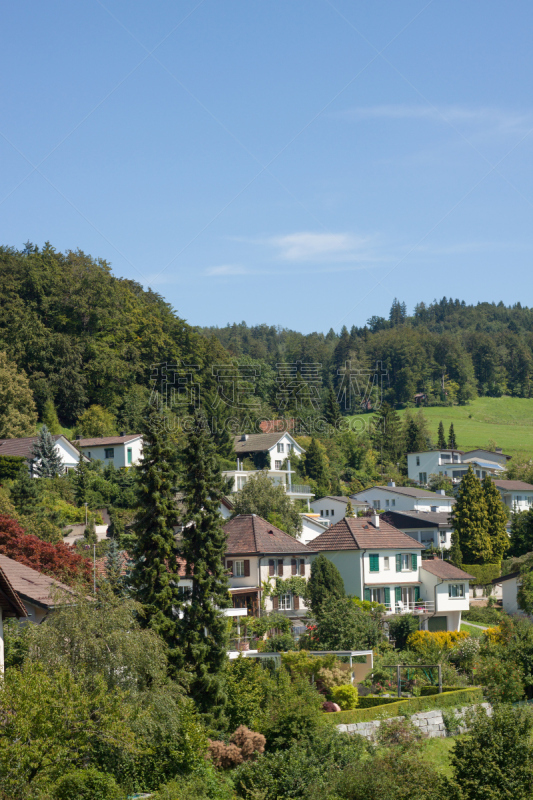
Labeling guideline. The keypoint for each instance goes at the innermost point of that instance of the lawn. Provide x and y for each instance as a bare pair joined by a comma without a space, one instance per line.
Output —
438,752
471,629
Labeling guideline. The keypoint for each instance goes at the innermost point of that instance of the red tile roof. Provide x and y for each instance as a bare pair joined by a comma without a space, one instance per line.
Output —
125,558
22,447
10,602
445,570
104,440
249,533
31,585
359,533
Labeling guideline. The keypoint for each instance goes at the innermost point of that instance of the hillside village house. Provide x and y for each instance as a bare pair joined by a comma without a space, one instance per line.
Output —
258,552
378,562
454,464
430,528
68,452
121,451
517,495
39,593
10,606
404,498
509,585
312,526
270,451
332,508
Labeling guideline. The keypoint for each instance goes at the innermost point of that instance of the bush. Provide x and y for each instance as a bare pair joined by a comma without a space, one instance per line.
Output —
293,710
244,745
483,616
400,733
433,646
401,628
391,774
87,784
484,574
371,702
502,679
345,696
280,643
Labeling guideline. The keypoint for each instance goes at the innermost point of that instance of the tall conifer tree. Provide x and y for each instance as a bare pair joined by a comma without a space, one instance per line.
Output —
470,521
441,438
497,517
386,434
452,441
47,462
332,410
202,631
25,492
81,481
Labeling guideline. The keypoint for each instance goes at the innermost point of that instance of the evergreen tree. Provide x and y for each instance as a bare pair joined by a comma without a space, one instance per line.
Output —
452,442
455,555
316,468
332,410
47,461
521,533
220,418
89,534
441,438
113,566
325,582
203,629
81,481
349,509
386,434
25,492
497,516
50,418
470,521
154,575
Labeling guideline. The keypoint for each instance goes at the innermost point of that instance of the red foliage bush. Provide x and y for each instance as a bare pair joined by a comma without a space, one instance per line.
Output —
56,560
244,745
328,706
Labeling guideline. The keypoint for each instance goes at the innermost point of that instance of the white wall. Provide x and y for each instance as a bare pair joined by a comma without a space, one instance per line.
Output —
401,502
336,508
513,503
120,453
430,535
386,577
311,528
288,444
509,596
443,603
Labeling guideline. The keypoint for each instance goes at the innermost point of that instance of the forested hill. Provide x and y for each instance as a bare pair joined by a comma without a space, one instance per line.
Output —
486,349
85,337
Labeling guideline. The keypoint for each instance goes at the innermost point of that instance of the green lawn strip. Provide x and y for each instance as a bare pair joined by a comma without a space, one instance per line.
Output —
471,629
437,752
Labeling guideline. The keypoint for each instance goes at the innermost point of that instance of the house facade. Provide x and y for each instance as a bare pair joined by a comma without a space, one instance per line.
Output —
121,451
404,498
39,593
430,528
10,606
258,557
454,464
333,508
68,452
312,526
379,563
517,495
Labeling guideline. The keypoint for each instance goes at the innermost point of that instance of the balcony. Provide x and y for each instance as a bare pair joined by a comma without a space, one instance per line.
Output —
278,478
418,607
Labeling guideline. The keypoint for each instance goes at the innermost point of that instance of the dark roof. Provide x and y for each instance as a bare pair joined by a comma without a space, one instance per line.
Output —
249,533
409,491
358,533
445,570
32,585
414,519
483,450
24,447
10,602
257,442
513,486
103,440
506,577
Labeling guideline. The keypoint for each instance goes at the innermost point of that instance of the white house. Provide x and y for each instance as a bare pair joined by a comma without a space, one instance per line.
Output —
24,448
312,526
404,498
122,451
380,563
517,495
258,552
10,606
270,451
39,593
430,528
509,586
332,508
454,464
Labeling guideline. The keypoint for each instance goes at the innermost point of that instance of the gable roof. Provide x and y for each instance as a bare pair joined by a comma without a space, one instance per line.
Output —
24,447
359,533
513,486
103,440
32,585
260,442
413,519
491,452
10,602
248,533
408,491
445,570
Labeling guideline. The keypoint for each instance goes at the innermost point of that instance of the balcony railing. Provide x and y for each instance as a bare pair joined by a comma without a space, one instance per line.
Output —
297,488
418,607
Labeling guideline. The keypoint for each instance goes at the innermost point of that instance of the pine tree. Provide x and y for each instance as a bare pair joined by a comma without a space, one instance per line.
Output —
455,555
202,631
89,534
497,516
349,509
25,492
47,461
332,410
113,566
81,481
316,467
50,418
441,438
452,442
470,521
325,582
386,434
154,575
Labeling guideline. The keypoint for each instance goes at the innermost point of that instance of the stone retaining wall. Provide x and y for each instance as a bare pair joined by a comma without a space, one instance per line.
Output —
430,723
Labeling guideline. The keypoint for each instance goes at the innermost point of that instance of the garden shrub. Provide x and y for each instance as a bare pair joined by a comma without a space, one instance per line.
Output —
243,745
293,710
87,784
345,696
483,616
484,574
390,775
401,628
501,678
330,678
400,733
371,702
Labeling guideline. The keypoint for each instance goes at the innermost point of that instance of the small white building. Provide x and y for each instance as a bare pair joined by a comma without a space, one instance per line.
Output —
312,526
404,498
68,452
454,464
430,528
517,495
121,451
509,586
333,508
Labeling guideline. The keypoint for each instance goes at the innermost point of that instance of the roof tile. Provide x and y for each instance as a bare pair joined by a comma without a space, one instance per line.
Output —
359,533
249,533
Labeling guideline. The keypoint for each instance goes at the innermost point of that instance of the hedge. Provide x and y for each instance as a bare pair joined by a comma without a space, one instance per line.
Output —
461,697
426,690
370,702
483,573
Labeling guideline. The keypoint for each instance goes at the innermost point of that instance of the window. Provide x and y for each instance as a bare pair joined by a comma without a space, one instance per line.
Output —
422,477
277,465
130,455
109,452
275,567
418,461
332,512
327,512
445,471
376,504
387,503
89,454
285,602
378,595
406,562
433,508
518,498
238,569
298,566
374,562
442,536
393,502
386,562
281,447
530,500
456,590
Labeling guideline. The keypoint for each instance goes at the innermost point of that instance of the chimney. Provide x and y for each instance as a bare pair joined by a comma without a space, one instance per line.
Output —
392,484
122,433
244,437
442,492
375,520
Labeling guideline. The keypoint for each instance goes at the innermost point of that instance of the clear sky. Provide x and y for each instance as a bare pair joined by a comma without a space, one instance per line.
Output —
294,162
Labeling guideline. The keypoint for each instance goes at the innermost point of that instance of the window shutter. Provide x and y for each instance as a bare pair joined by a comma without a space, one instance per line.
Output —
374,562
413,560
229,566
417,594
294,566
398,562
280,567
302,567
386,591
398,594
246,568
271,566
296,602
367,594
275,603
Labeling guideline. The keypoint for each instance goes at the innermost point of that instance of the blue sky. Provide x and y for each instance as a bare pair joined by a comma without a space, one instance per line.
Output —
295,163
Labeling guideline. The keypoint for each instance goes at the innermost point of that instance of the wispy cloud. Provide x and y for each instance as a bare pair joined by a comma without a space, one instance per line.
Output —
502,119
226,269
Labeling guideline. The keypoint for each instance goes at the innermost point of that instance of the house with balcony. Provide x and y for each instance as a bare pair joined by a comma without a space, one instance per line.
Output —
430,528
257,452
122,451
454,464
258,554
379,563
517,495
404,498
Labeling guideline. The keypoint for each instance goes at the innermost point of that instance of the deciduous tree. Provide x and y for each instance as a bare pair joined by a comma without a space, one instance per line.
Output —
261,496
18,416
